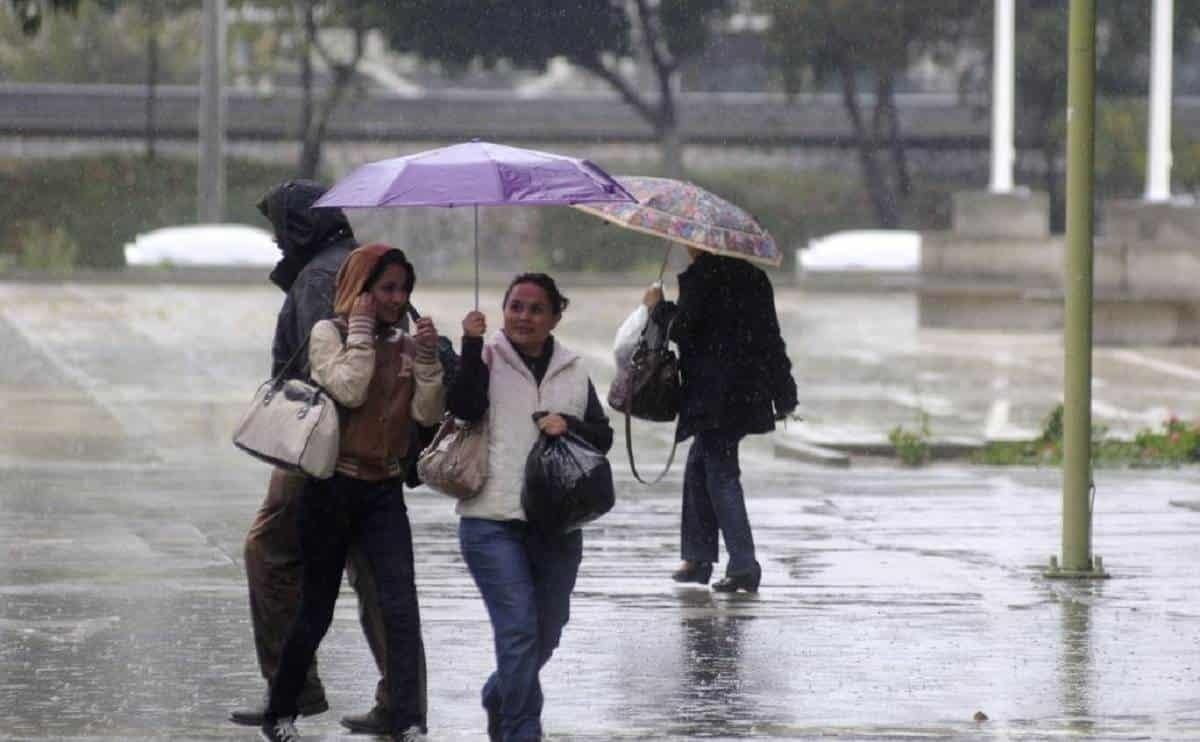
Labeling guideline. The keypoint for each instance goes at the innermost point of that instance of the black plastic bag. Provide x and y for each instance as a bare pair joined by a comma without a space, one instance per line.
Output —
568,484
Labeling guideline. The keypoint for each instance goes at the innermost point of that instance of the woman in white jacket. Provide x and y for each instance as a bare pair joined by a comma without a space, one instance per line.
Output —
525,576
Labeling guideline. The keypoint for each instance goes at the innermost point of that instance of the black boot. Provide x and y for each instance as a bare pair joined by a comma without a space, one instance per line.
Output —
734,581
698,572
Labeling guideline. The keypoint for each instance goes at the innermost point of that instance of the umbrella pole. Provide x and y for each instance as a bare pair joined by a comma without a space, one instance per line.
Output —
476,209
662,268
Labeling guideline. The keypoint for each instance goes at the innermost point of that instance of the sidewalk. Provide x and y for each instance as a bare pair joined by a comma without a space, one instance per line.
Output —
896,603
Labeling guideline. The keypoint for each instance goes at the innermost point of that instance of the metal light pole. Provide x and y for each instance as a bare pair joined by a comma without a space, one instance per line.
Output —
211,159
1077,558
1158,146
1003,66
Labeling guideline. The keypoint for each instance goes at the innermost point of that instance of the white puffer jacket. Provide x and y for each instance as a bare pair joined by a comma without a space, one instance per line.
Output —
514,396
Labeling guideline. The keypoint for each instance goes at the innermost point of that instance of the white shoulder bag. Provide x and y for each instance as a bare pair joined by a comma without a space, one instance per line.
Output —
292,424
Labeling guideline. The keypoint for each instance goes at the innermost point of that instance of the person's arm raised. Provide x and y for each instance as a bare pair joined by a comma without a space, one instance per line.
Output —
467,398
344,369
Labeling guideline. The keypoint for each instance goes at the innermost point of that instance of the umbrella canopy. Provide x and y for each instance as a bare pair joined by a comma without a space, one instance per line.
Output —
475,174
686,213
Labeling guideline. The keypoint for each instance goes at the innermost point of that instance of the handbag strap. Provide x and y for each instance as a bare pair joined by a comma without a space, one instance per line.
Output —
629,450
287,366
666,331
303,345
666,339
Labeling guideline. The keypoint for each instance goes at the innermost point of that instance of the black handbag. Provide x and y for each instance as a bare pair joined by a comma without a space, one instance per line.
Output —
648,388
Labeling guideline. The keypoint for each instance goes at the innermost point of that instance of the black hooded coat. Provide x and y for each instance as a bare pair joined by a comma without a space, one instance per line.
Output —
733,363
314,242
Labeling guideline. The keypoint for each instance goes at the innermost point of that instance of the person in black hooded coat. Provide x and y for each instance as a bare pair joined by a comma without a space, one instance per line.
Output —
736,381
314,243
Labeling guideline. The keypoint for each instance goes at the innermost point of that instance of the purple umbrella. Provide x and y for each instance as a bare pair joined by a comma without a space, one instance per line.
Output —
475,174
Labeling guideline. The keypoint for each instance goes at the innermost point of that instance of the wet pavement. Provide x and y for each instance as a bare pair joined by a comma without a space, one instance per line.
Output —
896,603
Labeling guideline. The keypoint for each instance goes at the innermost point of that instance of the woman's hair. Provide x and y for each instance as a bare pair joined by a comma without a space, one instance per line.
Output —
395,256
558,302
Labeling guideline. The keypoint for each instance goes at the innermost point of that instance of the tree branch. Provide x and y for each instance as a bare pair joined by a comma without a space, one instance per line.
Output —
360,35
664,65
877,189
628,93
660,57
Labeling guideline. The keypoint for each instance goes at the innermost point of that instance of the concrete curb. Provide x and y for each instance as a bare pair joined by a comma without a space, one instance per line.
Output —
810,453
840,453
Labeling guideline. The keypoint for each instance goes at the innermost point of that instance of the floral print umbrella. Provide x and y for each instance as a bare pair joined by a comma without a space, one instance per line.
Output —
686,213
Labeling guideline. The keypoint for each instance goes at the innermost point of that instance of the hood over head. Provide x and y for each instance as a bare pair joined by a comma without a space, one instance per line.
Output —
300,230
357,268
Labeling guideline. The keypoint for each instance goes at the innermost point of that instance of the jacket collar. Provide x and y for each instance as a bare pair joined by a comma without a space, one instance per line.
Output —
560,358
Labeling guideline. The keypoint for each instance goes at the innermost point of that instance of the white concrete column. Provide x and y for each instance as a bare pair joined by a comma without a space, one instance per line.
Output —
1003,74
1158,160
211,163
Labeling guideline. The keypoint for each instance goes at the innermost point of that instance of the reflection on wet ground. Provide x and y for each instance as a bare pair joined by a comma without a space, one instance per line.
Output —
895,603
1075,665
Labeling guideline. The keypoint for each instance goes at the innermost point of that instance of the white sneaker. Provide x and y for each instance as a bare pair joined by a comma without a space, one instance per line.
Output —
281,730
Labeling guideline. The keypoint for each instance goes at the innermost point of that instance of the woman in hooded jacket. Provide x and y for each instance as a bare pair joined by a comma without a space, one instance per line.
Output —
383,379
526,384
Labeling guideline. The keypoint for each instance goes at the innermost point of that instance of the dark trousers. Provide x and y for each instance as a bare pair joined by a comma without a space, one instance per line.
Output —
332,515
713,501
370,617
273,574
526,579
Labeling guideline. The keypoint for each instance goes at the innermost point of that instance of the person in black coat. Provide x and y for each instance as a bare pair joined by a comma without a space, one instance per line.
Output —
736,381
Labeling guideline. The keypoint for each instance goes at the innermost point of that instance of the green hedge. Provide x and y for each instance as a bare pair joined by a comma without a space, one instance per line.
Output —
93,206
65,212
100,203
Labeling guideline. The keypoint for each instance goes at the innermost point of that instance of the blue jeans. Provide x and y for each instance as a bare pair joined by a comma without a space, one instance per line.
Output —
334,513
526,579
713,500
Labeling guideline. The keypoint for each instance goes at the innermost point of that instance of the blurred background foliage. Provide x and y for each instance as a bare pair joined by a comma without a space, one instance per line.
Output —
86,207
100,203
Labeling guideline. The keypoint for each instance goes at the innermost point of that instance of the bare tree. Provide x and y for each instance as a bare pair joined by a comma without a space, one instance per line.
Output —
595,35
316,114
870,41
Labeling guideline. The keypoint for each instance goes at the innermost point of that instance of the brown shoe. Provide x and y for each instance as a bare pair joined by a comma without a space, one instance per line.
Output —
310,703
698,572
376,721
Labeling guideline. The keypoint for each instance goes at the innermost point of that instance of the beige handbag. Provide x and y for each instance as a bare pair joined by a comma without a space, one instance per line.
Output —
455,462
292,424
